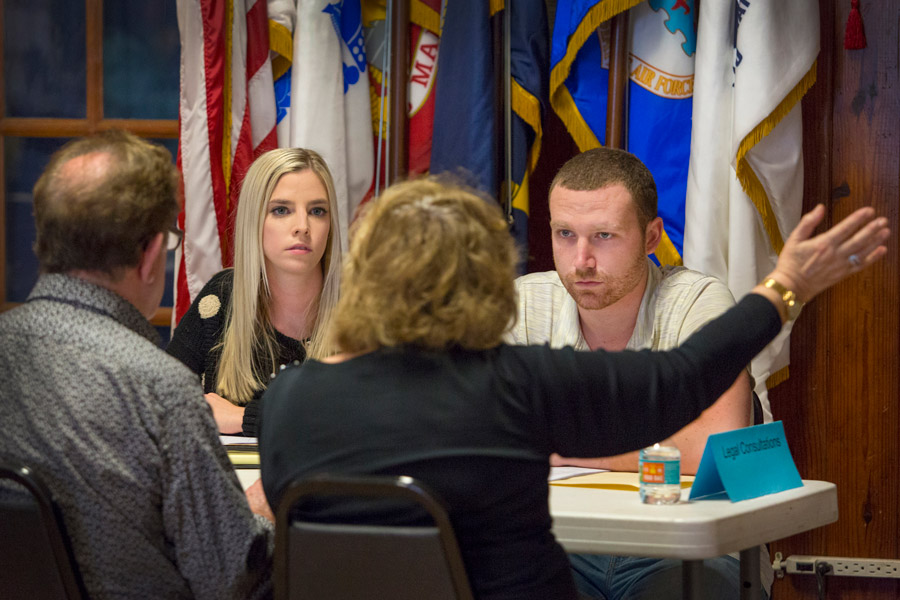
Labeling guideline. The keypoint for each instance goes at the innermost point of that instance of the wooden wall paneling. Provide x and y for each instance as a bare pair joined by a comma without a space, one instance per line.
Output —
797,401
94,55
2,216
37,127
840,406
865,326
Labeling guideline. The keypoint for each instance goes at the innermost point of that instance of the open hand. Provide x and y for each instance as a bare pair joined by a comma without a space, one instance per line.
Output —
808,265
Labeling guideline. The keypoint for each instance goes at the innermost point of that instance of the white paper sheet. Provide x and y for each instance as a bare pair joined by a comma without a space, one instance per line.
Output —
557,473
238,439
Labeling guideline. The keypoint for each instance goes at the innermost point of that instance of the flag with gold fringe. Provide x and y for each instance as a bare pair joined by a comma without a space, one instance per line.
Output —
661,46
755,61
529,67
424,38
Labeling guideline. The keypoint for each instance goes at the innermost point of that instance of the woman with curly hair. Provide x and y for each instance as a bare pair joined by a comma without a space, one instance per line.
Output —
424,387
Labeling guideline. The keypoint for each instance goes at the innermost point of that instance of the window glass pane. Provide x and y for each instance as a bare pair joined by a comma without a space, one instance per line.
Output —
44,54
25,159
140,60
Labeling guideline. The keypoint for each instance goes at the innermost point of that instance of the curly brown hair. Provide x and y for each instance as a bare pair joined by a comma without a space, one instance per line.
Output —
431,265
101,218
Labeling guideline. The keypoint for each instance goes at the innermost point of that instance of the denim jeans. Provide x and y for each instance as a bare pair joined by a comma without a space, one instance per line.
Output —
639,578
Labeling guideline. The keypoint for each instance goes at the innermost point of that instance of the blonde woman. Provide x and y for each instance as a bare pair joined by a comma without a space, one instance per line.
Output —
424,387
274,306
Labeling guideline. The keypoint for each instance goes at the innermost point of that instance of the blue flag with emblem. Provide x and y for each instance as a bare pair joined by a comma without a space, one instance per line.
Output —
662,44
468,133
529,65
465,105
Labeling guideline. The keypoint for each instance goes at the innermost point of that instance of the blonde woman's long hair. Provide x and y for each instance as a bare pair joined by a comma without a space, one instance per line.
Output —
249,331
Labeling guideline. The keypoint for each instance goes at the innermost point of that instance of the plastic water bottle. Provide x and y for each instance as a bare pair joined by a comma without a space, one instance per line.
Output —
660,471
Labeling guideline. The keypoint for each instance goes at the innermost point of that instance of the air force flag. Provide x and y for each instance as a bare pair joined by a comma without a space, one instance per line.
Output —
661,66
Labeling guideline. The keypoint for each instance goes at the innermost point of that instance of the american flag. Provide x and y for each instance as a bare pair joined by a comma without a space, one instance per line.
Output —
227,119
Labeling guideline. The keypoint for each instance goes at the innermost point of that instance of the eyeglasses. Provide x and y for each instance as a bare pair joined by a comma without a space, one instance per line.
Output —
173,238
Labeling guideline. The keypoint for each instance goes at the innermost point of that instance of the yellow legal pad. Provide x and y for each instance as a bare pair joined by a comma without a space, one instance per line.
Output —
244,456
612,480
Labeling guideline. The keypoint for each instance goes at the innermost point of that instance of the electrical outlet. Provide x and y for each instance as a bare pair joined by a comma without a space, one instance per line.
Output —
843,567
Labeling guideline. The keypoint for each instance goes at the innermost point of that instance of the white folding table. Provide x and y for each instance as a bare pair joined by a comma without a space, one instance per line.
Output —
605,521
598,520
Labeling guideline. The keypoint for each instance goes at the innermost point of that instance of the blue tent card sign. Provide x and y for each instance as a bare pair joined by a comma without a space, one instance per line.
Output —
746,463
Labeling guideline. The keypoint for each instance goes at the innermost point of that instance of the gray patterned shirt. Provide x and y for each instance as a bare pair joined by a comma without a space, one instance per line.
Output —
120,433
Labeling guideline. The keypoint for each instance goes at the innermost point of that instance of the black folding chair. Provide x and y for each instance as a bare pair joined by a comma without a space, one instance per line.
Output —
36,559
347,561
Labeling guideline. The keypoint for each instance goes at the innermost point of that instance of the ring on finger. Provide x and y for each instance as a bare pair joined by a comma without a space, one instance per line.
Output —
855,261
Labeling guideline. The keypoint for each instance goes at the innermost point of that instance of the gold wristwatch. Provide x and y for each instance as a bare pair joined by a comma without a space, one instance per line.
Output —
791,304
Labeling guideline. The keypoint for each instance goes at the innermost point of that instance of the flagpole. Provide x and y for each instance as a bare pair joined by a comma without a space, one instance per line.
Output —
498,107
381,170
618,77
398,138
507,111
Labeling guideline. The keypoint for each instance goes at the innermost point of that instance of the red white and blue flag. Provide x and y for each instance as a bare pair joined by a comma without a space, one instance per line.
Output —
424,44
226,120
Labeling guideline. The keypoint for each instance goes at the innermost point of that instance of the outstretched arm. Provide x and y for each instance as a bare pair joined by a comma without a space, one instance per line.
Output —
731,411
809,265
648,395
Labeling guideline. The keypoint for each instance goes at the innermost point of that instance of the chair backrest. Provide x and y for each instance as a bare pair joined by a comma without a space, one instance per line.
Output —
35,555
315,560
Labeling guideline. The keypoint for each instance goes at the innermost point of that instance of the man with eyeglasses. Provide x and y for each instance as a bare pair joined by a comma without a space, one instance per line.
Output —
116,428
173,238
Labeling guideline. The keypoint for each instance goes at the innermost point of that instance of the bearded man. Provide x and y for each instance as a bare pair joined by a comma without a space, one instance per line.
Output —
606,293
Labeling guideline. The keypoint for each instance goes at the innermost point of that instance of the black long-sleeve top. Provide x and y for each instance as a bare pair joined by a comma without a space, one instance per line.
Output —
195,342
478,428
